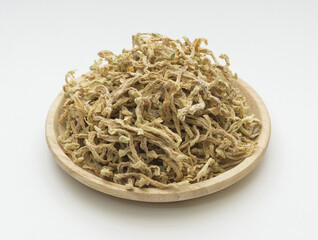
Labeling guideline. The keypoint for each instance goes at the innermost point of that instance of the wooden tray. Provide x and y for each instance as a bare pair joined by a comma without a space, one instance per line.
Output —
195,190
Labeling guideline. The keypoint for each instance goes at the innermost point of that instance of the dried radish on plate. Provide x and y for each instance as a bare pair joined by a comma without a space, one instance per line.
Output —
161,114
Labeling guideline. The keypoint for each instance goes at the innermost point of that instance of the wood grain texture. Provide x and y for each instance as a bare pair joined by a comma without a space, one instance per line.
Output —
53,130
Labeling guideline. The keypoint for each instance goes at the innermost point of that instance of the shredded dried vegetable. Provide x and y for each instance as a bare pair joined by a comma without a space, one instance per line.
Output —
162,114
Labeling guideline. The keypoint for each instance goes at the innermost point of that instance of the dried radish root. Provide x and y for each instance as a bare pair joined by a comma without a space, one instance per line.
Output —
163,114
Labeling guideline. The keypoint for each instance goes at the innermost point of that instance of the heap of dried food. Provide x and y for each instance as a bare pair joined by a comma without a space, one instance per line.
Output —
165,112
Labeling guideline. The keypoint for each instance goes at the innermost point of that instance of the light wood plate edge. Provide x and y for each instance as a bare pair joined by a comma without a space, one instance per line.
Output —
168,195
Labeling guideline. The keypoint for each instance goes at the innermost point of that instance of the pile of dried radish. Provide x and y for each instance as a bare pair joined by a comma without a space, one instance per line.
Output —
161,114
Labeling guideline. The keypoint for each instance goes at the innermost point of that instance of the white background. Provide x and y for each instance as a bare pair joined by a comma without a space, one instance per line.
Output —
272,45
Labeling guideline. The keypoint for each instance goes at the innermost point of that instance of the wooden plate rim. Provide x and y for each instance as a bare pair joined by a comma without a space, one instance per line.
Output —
157,195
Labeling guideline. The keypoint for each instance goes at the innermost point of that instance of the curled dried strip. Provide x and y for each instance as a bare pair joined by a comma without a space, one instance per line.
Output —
162,114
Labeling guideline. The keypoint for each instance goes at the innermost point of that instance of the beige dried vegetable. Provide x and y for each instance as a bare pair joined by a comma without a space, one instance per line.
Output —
160,115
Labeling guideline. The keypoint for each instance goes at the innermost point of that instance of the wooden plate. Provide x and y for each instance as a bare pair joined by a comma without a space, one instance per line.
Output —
53,129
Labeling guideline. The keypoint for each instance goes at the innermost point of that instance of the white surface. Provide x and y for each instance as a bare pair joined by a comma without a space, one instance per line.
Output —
272,46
